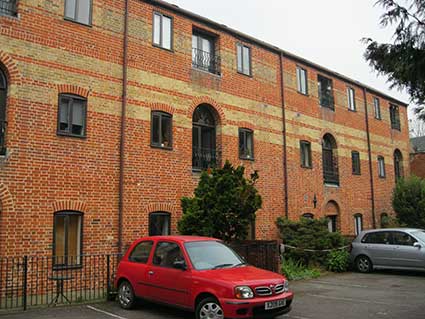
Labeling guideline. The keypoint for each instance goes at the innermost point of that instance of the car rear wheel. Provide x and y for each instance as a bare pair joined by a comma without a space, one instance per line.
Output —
209,308
363,264
126,295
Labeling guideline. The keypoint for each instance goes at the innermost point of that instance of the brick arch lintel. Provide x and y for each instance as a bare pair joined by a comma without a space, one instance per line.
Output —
207,100
248,125
160,207
162,107
6,199
70,205
325,131
73,89
10,67
331,200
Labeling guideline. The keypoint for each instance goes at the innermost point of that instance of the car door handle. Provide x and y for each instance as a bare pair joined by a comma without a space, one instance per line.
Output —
150,273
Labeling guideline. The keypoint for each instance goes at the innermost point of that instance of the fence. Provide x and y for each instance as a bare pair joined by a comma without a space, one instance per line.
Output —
31,281
259,253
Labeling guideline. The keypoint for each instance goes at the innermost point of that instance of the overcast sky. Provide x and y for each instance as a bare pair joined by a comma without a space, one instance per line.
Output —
327,32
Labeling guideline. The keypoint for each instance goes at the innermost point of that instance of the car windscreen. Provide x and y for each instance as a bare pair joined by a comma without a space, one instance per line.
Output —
206,255
420,235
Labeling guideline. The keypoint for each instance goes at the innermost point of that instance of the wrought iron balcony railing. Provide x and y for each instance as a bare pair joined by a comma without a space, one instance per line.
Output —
205,61
327,100
331,176
3,125
203,158
8,7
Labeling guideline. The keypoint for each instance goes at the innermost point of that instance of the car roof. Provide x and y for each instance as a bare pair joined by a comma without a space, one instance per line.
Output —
407,230
180,239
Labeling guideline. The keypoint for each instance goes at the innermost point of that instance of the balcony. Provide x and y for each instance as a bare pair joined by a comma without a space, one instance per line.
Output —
206,61
7,7
331,176
203,158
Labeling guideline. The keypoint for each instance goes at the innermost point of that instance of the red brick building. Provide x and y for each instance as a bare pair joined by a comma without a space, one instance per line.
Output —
417,156
78,177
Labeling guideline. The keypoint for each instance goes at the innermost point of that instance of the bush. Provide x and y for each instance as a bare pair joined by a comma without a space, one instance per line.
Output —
338,261
409,202
224,204
307,234
295,270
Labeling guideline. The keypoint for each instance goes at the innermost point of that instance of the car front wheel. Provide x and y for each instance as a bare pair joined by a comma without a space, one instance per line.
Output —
209,308
126,295
363,264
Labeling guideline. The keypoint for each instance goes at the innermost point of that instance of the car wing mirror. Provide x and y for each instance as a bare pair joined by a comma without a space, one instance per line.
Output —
179,264
417,245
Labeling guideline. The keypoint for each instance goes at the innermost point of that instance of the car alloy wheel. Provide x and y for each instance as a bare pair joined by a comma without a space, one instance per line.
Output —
209,308
126,295
363,264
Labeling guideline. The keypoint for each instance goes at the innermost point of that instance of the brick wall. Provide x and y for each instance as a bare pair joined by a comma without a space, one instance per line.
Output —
45,55
417,164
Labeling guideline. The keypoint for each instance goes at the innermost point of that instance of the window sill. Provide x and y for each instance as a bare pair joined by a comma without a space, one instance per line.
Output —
81,137
357,174
382,177
350,110
305,94
162,48
162,147
60,267
217,75
252,159
332,185
378,118
327,107
78,22
244,74
306,167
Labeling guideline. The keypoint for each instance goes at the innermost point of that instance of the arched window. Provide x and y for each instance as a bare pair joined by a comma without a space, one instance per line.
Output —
398,165
3,100
330,160
67,239
159,224
332,213
308,216
204,153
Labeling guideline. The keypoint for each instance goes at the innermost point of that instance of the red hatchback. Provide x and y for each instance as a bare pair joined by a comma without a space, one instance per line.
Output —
202,275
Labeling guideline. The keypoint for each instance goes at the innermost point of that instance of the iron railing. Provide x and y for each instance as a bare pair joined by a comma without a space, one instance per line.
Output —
3,126
203,158
327,100
8,7
330,175
205,61
31,281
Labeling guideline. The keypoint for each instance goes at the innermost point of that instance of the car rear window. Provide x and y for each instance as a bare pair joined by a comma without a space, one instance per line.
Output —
377,238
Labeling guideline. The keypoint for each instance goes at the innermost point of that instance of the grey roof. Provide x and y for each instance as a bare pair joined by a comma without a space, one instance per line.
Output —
270,47
418,144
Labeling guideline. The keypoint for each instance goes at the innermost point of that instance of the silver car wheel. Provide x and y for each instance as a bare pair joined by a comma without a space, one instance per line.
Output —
211,310
125,294
363,264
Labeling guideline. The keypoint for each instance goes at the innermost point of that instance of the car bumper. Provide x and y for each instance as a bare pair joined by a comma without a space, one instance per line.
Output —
255,308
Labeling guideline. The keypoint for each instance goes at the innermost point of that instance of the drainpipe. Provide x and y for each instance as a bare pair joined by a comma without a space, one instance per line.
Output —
123,123
285,161
369,151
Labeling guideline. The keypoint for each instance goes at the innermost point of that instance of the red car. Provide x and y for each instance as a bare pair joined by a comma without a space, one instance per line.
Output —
202,275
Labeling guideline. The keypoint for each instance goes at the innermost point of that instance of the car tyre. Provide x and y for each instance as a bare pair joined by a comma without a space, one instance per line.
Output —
209,308
126,296
364,264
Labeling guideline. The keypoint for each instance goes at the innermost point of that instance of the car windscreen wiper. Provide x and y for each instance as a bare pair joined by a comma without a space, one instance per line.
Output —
222,266
240,264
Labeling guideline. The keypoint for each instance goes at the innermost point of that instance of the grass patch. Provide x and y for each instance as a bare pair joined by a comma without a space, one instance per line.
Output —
295,270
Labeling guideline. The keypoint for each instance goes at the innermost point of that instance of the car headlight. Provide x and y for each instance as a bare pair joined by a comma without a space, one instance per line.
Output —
243,292
286,286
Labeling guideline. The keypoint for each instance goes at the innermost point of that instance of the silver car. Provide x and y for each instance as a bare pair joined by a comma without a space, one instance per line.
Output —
394,248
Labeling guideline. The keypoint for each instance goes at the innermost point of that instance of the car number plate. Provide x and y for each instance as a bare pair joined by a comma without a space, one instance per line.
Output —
275,304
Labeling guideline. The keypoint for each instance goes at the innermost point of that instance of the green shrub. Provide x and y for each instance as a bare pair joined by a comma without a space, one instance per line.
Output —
295,270
310,234
338,260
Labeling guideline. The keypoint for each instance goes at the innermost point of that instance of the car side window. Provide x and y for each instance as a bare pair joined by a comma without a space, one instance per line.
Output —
141,252
383,238
166,254
403,239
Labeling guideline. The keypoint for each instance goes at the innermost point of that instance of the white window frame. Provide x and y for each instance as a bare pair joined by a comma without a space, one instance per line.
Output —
302,78
351,97
377,108
161,31
358,223
241,62
381,167
75,17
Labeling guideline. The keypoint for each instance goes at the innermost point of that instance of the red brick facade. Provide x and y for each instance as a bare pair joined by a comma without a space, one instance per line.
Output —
44,55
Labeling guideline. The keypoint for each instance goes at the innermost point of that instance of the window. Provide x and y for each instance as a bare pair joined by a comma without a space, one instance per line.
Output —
67,239
381,167
162,31
141,252
330,160
398,165
377,108
166,254
246,144
351,96
355,160
244,59
159,224
326,98
204,153
8,7
358,223
3,101
395,117
308,216
382,238
403,239
161,130
72,115
305,150
78,10
302,83
203,53
332,223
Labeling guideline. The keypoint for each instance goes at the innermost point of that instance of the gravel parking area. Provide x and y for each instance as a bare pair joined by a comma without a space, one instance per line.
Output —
350,296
